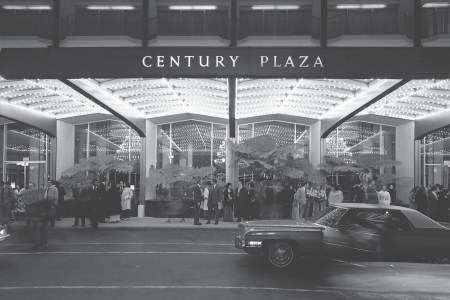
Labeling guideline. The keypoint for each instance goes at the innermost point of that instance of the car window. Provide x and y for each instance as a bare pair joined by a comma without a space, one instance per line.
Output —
363,220
329,216
374,220
396,221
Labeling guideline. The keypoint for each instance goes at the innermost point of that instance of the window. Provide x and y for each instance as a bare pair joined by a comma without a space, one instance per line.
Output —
329,216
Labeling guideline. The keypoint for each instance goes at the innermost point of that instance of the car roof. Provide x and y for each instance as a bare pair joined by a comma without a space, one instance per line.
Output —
418,219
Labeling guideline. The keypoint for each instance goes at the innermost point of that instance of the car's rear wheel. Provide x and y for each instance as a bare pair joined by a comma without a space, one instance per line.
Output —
280,254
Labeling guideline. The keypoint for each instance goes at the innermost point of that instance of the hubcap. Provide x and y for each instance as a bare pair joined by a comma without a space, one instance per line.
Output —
280,254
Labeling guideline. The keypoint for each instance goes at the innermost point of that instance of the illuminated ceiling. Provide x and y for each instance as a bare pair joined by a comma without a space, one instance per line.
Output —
416,99
152,98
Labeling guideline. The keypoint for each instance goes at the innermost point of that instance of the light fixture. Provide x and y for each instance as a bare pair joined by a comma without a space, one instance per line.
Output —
193,7
110,7
275,7
27,7
361,6
436,5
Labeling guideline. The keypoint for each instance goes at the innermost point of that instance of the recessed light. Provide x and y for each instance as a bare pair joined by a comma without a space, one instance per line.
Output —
275,7
436,5
193,7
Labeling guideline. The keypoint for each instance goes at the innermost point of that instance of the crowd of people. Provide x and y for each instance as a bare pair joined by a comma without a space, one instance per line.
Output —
99,202
433,201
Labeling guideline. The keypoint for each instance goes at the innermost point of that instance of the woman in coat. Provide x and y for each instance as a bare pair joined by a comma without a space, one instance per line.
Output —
127,194
114,205
422,201
228,202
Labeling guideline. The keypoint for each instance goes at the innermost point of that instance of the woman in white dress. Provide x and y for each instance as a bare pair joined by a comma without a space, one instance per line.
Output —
384,198
204,204
127,194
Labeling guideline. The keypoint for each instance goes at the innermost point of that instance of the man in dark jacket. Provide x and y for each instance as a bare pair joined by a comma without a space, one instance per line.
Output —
60,206
197,197
213,202
242,205
94,200
79,212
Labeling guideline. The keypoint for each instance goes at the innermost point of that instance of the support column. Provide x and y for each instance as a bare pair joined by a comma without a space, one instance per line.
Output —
233,19
142,176
404,153
150,158
232,174
149,21
65,147
315,153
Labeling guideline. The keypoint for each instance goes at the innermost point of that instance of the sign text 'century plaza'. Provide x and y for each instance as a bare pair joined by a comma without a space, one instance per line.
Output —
230,61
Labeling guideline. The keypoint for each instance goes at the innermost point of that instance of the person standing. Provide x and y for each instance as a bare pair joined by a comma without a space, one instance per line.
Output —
114,206
79,214
228,202
302,199
260,198
392,193
94,203
51,196
197,197
270,207
60,207
7,194
336,195
412,197
422,201
371,194
296,205
205,203
384,197
242,206
103,202
359,196
433,204
127,194
254,214
214,199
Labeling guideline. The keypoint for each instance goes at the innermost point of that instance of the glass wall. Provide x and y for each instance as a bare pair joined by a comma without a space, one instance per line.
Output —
110,138
435,158
193,20
283,134
280,21
25,155
2,142
192,144
30,21
370,23
353,139
117,23
435,23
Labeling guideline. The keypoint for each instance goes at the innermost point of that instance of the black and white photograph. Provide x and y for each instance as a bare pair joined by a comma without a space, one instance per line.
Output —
225,149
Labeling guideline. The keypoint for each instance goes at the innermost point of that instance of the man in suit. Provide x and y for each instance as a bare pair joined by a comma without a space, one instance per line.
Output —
198,197
242,205
94,199
51,195
213,202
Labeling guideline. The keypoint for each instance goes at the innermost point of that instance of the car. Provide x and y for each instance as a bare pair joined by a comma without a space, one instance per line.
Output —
351,231
3,233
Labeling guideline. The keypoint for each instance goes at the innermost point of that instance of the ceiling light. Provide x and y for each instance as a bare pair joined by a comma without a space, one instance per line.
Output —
27,7
436,5
361,6
193,7
275,7
110,7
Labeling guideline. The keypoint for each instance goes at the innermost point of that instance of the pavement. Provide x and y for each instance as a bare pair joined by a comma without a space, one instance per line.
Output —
146,222
192,263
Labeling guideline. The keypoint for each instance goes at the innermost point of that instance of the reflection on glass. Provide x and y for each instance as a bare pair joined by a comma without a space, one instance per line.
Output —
435,23
435,158
2,128
27,155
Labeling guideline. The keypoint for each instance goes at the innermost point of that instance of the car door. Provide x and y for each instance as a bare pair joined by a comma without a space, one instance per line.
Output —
360,233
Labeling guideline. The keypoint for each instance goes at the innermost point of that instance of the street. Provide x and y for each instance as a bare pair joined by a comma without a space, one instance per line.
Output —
193,263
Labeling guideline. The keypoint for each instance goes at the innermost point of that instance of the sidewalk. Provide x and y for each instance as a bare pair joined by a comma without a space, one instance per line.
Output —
146,222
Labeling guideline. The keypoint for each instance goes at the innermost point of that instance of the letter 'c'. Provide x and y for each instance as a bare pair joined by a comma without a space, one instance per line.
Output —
144,61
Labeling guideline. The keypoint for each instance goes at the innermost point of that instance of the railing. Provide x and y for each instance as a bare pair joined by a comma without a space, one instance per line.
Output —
26,23
286,23
104,23
435,22
193,23
370,23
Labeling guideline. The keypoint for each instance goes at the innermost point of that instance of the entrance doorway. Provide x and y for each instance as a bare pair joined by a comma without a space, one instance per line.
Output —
23,172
